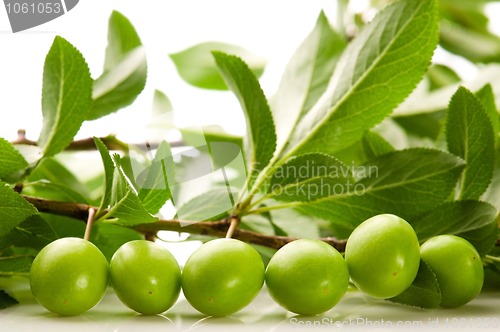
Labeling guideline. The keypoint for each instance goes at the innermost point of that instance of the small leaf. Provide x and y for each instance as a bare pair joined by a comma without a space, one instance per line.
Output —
261,135
375,145
13,209
406,183
487,98
119,197
197,67
192,136
125,206
152,183
109,169
469,135
6,300
11,160
375,73
472,220
441,76
125,69
13,265
306,76
309,177
422,124
122,38
424,292
208,206
492,194
66,96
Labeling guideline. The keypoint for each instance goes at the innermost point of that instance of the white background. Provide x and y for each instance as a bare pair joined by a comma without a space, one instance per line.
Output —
270,28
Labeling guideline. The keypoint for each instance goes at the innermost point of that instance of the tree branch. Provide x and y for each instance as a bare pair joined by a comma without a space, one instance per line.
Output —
87,144
217,229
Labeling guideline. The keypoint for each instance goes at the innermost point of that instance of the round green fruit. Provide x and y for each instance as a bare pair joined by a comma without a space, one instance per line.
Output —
307,277
222,277
383,256
458,268
69,276
145,276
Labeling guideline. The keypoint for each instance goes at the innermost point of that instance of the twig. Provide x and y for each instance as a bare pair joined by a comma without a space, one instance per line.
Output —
216,228
90,221
234,221
87,144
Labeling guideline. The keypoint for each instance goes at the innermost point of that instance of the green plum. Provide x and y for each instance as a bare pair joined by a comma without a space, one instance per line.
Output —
69,276
307,276
222,277
383,256
458,268
145,276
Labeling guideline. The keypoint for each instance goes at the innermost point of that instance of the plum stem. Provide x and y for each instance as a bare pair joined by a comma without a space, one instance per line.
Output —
233,225
90,221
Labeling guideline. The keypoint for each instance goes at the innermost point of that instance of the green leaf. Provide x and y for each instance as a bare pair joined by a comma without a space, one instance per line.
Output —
487,98
122,38
469,135
197,67
66,96
261,135
34,232
11,160
153,181
119,197
438,100
441,76
125,69
54,191
162,117
64,226
306,76
208,206
109,170
295,224
193,136
406,183
474,45
375,145
472,220
422,124
13,209
424,292
125,206
6,300
53,171
108,238
12,265
309,177
376,72
492,194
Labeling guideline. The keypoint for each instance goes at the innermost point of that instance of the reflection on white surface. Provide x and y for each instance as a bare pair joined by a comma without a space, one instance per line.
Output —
354,312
